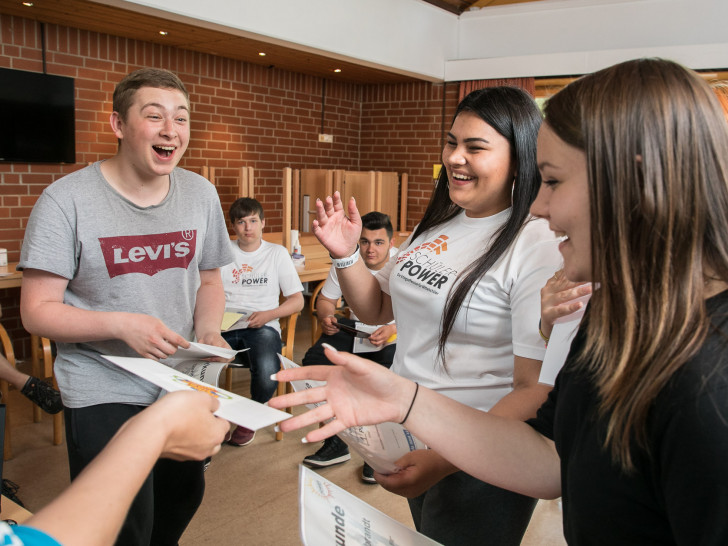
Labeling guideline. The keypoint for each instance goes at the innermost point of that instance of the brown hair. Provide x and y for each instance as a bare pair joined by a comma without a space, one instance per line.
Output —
144,77
244,207
721,91
656,145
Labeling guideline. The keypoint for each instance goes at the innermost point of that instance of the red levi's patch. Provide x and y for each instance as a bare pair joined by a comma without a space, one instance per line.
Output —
148,254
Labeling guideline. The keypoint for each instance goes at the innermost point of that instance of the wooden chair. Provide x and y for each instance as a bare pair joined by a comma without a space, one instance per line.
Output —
41,349
42,366
288,335
5,388
315,324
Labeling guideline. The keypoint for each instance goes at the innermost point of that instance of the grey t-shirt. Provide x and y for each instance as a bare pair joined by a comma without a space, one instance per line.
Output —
122,257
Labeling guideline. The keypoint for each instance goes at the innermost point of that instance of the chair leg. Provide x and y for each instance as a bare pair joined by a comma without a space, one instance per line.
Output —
42,366
7,348
7,451
35,351
229,379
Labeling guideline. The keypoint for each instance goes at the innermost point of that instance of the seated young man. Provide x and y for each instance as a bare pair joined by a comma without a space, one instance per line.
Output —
375,246
252,284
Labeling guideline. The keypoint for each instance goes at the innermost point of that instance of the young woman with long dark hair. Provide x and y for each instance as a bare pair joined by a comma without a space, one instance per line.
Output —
464,290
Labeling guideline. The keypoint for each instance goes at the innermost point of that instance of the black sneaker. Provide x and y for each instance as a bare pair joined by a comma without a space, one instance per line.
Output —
43,395
367,474
334,451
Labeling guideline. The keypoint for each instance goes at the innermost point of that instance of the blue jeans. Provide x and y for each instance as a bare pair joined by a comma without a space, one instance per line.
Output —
264,344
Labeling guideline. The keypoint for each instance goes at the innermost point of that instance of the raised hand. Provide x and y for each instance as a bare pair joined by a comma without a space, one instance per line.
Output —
557,299
337,232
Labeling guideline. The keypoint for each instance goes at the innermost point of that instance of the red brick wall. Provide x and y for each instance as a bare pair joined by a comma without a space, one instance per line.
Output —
242,115
402,131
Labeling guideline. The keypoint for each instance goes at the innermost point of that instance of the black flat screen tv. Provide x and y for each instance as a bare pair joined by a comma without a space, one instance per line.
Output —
36,118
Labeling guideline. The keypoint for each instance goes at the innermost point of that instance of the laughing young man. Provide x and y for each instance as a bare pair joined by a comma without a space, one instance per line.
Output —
122,258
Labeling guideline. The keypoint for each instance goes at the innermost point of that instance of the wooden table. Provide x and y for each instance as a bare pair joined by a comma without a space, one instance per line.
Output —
9,278
315,270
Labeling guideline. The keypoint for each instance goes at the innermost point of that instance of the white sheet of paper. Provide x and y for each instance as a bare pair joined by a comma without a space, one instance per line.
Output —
236,409
560,343
362,344
379,445
332,515
200,351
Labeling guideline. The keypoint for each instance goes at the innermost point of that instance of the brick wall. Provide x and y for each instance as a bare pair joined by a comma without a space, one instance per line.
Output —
242,115
402,131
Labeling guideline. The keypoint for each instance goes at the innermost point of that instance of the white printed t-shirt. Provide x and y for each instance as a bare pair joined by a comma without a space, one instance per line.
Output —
254,280
499,317
332,289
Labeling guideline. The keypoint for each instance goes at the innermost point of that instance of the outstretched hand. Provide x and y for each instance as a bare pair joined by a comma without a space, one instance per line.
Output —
337,232
557,299
357,392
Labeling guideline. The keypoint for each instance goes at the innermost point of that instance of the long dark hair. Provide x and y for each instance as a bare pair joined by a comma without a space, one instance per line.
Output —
656,146
515,116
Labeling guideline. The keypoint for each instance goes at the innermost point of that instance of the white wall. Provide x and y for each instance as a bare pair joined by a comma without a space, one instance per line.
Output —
547,38
563,37
408,36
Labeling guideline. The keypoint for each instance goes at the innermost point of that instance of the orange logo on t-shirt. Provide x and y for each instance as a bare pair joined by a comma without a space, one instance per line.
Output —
437,246
237,273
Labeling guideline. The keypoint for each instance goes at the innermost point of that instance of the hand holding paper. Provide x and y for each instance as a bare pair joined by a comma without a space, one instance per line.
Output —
380,445
236,409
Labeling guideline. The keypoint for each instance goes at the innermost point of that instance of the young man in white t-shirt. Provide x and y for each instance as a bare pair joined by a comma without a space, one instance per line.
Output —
376,246
259,273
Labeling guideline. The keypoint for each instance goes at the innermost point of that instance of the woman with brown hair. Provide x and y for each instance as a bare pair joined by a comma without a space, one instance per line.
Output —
634,436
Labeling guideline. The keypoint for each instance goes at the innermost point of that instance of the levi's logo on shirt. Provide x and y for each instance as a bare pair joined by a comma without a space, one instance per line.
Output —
148,254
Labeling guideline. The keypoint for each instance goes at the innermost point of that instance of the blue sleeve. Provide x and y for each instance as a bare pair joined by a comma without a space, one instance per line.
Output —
20,535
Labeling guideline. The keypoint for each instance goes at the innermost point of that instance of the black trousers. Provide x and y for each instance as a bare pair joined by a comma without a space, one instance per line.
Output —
168,498
344,341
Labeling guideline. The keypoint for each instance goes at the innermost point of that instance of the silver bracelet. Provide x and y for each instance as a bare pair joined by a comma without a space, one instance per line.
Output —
341,263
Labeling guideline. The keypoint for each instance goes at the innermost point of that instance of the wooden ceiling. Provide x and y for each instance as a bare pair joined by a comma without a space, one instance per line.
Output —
459,6
101,18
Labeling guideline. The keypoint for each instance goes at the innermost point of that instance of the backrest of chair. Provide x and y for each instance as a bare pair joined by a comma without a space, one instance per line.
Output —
315,324
288,334
7,345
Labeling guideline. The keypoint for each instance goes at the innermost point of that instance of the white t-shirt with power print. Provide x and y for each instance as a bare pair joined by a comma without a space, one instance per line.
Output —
255,279
499,317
